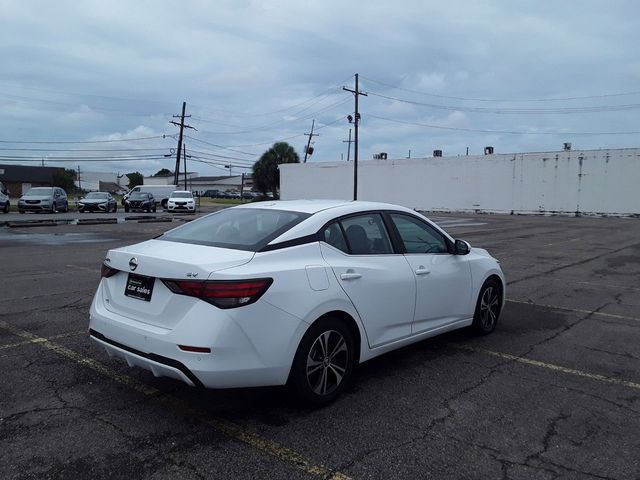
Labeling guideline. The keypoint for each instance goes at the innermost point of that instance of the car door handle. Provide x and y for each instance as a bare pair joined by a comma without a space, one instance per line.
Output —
350,275
422,271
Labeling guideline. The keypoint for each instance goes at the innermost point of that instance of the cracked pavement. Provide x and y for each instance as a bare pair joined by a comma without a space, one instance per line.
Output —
440,409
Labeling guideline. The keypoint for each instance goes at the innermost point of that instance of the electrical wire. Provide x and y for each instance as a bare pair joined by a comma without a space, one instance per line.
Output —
163,136
509,132
515,111
501,100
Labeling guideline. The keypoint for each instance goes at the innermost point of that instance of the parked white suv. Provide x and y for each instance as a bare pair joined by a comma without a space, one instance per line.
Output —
181,201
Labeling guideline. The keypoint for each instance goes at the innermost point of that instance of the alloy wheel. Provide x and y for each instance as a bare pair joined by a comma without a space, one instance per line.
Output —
489,307
327,362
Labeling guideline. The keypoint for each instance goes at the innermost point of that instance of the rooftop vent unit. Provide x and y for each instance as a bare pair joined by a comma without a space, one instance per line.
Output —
566,146
380,156
488,150
437,153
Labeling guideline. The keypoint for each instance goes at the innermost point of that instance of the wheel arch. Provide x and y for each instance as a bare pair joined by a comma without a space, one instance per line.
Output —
349,322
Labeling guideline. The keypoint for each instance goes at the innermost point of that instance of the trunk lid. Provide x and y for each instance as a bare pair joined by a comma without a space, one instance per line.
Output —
161,259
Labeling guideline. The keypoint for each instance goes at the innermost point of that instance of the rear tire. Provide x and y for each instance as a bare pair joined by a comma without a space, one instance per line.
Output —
324,362
6,208
126,209
488,308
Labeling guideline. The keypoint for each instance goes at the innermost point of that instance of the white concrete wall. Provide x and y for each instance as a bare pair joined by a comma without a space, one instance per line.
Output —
585,181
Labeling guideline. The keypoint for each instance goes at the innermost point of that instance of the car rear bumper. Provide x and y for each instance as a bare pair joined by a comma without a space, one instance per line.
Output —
243,352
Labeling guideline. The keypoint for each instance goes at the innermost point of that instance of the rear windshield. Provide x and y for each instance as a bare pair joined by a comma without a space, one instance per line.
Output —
237,228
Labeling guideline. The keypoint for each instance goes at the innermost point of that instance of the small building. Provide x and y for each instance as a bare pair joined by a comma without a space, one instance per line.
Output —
222,183
18,179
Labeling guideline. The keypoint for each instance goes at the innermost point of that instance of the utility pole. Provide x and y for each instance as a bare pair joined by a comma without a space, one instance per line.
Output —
356,121
349,142
184,147
242,187
79,182
179,150
306,150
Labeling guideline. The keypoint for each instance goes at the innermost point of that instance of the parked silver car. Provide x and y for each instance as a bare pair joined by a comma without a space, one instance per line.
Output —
98,202
44,199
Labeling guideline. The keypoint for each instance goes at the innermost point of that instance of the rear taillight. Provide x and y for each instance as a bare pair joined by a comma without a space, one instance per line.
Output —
106,271
222,293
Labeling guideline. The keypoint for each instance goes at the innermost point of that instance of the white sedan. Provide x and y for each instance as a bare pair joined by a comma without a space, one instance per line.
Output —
290,292
181,201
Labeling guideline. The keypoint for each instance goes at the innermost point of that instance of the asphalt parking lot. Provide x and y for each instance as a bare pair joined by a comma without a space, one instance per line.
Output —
553,393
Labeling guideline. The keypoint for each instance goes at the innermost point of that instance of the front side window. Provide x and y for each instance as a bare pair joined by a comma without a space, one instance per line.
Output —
417,236
241,229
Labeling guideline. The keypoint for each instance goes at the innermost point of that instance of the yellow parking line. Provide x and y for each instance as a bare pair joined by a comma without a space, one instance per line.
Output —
551,366
576,310
40,340
230,429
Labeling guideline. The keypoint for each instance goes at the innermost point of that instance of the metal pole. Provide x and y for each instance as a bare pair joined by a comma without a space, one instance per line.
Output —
355,150
184,146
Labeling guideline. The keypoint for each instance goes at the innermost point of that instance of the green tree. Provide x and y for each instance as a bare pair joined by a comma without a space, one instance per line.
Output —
65,180
163,173
135,178
266,175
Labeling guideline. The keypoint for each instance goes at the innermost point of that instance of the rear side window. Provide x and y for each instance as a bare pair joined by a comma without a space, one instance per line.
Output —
239,229
334,237
363,235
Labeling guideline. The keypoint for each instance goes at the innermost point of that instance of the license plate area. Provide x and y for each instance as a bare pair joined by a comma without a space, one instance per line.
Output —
139,286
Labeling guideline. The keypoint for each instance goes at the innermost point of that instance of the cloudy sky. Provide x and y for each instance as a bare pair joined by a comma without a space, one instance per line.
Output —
107,77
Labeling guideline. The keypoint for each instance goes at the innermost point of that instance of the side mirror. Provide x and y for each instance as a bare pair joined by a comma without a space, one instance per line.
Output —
461,247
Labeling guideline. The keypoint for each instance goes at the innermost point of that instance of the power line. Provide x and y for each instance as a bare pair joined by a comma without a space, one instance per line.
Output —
509,132
166,135
81,149
275,125
219,146
586,97
516,111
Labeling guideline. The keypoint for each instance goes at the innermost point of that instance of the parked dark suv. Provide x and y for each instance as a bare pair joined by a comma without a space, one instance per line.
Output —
44,199
140,201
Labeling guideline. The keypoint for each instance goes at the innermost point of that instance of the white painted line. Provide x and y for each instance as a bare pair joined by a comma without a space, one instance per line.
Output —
551,366
576,310
230,429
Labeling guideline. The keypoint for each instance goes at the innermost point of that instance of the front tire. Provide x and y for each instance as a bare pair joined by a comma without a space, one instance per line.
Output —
488,308
324,362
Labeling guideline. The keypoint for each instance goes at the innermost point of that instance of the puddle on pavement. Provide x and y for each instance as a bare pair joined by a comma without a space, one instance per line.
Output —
53,238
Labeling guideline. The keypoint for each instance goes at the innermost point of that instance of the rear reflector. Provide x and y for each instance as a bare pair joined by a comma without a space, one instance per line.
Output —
188,348
106,271
222,293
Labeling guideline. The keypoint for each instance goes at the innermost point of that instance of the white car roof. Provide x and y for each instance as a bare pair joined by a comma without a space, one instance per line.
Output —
322,211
